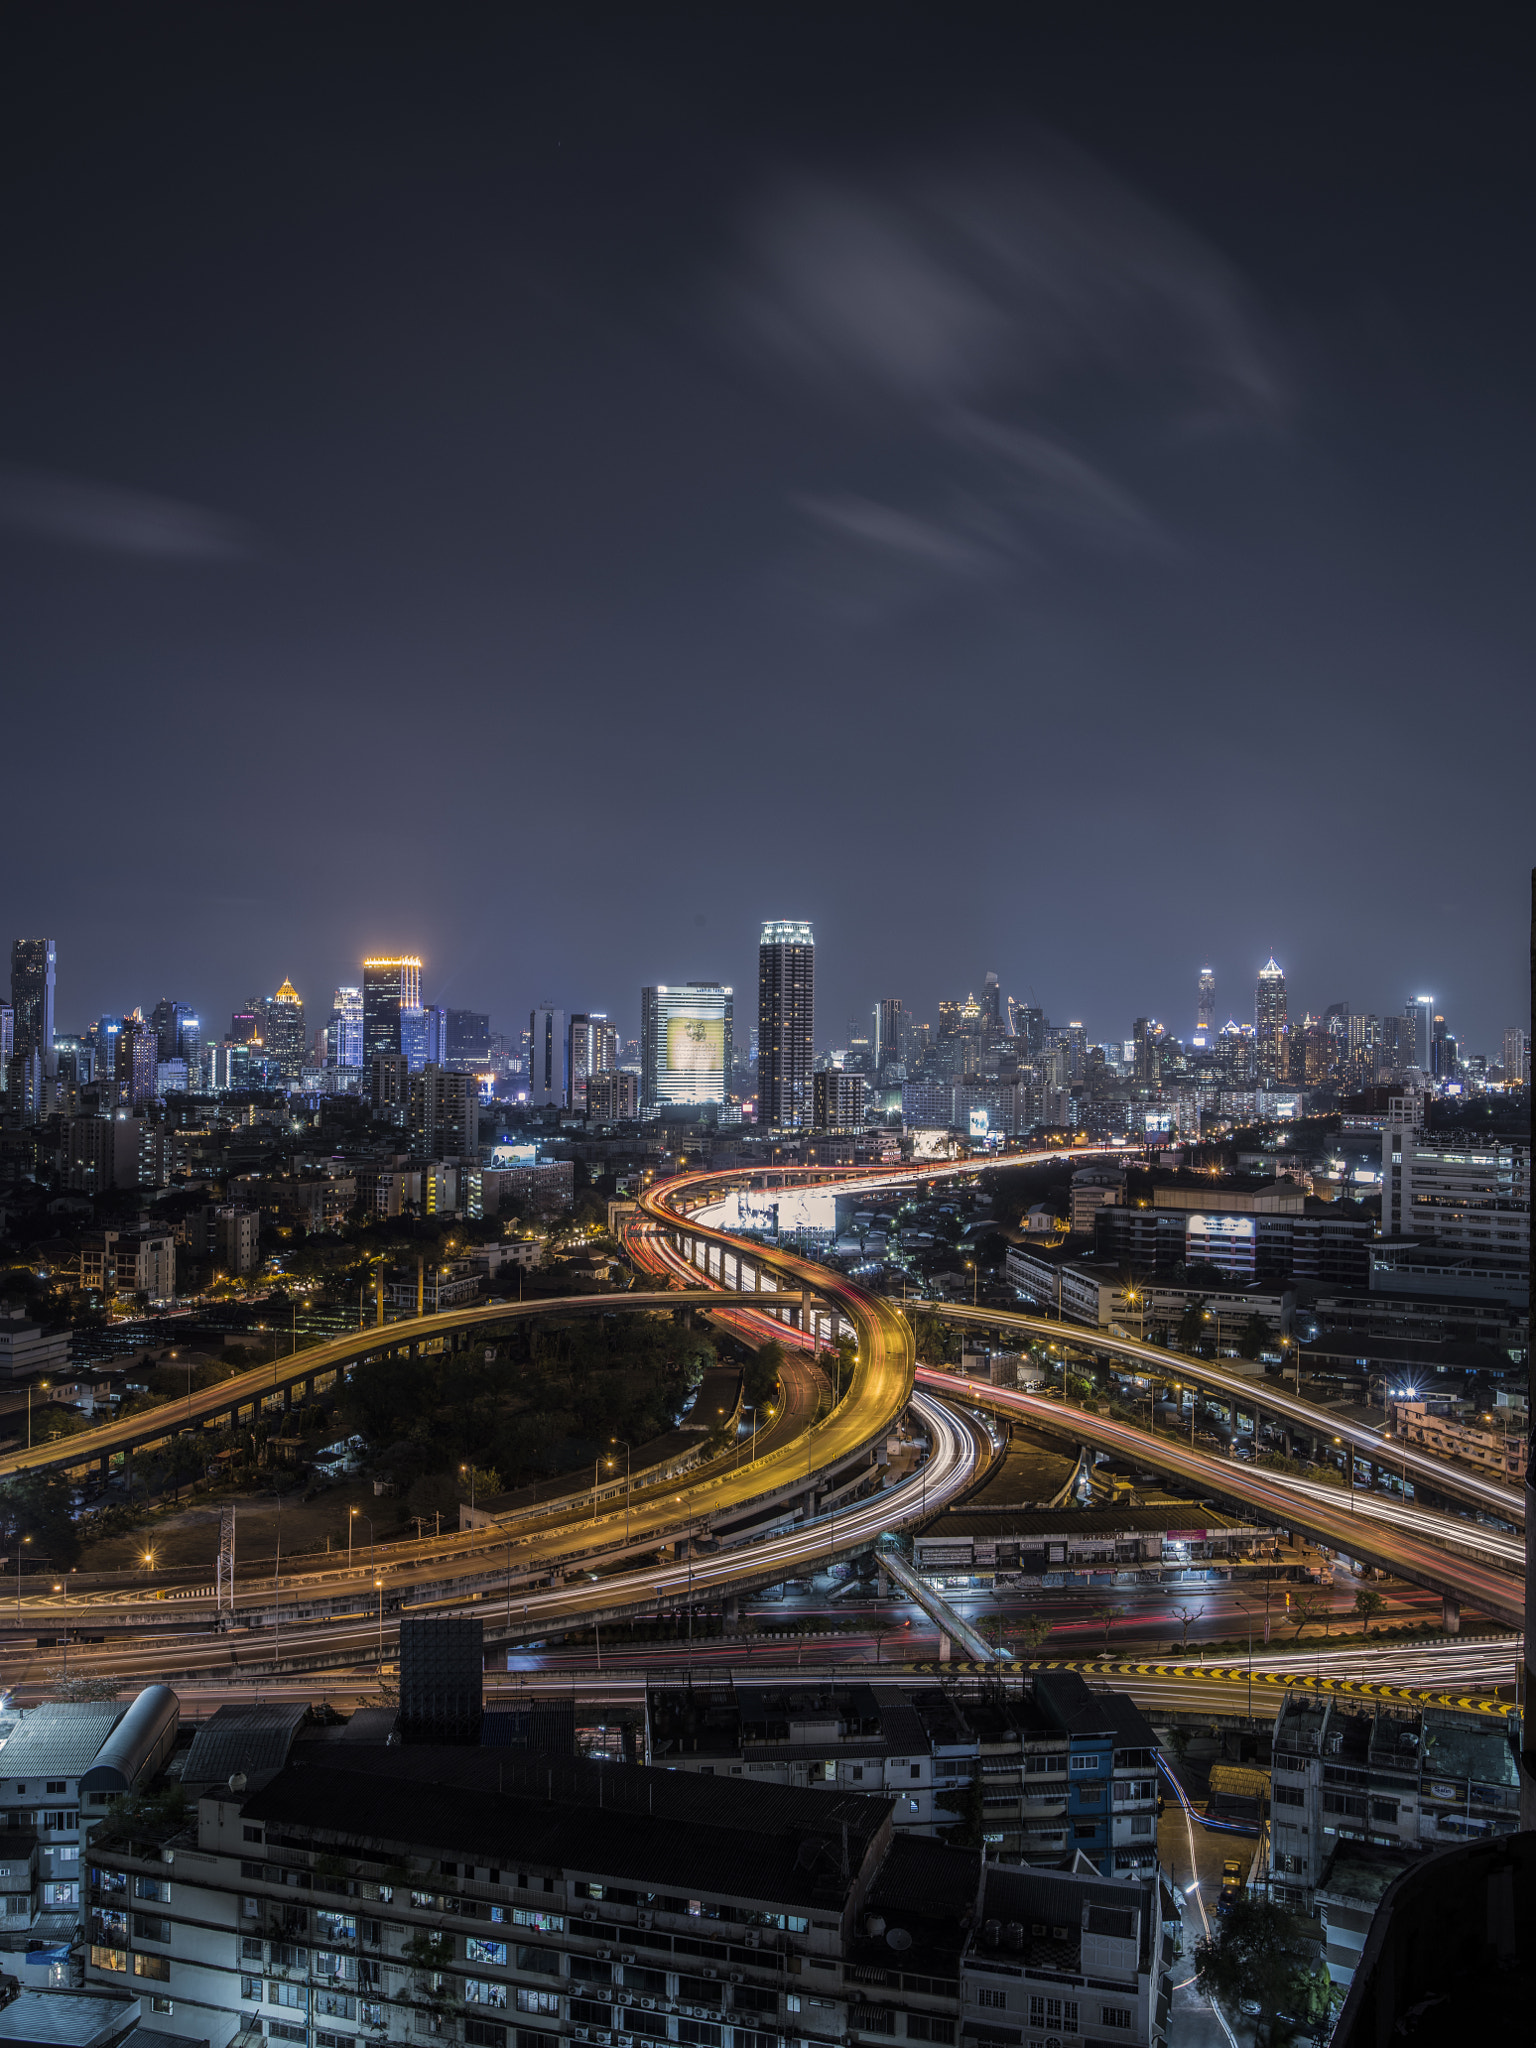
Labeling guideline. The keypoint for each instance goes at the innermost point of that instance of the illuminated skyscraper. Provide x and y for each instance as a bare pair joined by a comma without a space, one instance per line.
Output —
685,1044
889,1044
786,1025
1205,1007
34,968
347,1049
1421,1010
1269,1022
593,1049
135,1062
282,1031
389,986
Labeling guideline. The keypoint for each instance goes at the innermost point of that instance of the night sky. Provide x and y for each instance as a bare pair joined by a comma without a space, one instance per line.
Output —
1044,490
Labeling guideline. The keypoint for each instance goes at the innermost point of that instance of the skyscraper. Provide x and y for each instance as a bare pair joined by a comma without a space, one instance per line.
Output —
1517,1055
135,1062
389,986
469,1041
347,1049
282,1031
786,1024
34,968
685,1044
1269,1022
1205,1007
593,1049
168,1017
548,1081
888,1032
1421,1010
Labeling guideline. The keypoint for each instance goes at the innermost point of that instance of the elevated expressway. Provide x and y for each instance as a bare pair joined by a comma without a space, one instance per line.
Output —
1259,1397
1460,1580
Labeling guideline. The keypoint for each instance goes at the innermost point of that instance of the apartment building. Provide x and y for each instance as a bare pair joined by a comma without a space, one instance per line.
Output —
1060,1770
508,1899
1464,1190
1502,1453
1393,1776
60,1766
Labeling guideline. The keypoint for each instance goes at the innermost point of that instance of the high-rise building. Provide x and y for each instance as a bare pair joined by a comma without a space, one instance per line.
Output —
413,1036
592,1048
839,1100
1421,1013
8,1034
469,1041
280,1018
1029,1029
436,1023
347,1045
34,969
548,1079
1517,1057
444,1114
613,1097
1269,1022
993,1026
389,986
1205,1007
890,1041
786,1024
685,1044
136,1062
167,1017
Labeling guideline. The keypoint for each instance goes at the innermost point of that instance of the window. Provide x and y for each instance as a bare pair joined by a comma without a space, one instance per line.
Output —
1290,1795
545,2003
546,1923
286,1957
484,1991
250,1949
922,2026
109,1880
253,1835
150,1927
162,2004
747,1998
336,1926
1090,1795
279,2030
108,1958
59,1820
545,1962
699,2032
477,1951
591,1970
158,1967
479,2034
68,1852
334,1963
335,2005
1087,1763
156,1888
917,1770
1116,2016
1384,1809
997,1999
1141,1824
250,1987
55,1785
287,1994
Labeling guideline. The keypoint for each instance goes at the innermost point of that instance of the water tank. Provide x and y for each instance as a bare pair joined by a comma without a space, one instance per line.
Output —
139,1745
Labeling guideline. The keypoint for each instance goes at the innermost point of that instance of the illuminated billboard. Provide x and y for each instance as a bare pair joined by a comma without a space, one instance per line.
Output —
1227,1242
981,1123
685,1043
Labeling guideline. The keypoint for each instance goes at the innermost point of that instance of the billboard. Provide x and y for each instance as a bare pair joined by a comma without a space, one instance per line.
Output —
981,1123
695,1045
1227,1242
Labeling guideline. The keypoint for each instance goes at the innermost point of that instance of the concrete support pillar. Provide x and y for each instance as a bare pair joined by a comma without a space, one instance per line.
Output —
730,1609
944,1648
1450,1615
883,1584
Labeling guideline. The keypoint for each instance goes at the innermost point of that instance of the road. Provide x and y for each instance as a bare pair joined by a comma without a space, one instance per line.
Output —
1458,1481
1481,1585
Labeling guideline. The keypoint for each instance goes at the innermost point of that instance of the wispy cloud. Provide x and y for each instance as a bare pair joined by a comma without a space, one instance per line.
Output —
109,519
1015,330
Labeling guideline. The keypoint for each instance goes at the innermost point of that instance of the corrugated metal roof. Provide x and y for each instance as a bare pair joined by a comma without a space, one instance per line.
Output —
241,1738
1076,1523
60,1738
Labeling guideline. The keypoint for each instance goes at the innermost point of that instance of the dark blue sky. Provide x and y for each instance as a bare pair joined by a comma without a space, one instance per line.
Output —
1034,489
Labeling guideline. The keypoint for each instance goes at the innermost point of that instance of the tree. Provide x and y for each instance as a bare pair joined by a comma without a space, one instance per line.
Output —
1187,1615
1368,1602
1192,1324
1260,1953
1304,1606
1032,1632
1255,1337
760,1375
1105,1617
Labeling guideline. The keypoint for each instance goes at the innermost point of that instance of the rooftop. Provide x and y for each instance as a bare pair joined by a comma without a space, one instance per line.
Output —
59,1739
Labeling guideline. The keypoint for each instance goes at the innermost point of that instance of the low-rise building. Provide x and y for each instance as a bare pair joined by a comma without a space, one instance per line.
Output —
1502,1452
27,1351
1391,1775
1155,1541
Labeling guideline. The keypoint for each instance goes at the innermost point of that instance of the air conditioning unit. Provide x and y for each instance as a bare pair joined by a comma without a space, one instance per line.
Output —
644,1920
754,1938
710,1970
649,2004
589,1912
582,2034
605,1954
736,1976
626,1956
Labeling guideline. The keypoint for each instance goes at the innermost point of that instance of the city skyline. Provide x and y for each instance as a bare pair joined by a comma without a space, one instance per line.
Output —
1156,506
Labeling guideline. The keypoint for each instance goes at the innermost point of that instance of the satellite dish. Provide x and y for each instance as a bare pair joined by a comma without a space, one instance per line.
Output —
237,1781
897,1938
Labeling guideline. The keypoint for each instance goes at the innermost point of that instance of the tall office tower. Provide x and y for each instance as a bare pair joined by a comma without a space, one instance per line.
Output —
1517,1057
685,1044
281,1018
889,1041
413,1036
167,1018
347,1045
993,1026
1146,1039
34,969
1269,1021
786,1024
135,1062
469,1041
548,1079
436,1025
1205,1006
444,1114
1029,1026
389,986
1077,1052
1421,1014
8,1037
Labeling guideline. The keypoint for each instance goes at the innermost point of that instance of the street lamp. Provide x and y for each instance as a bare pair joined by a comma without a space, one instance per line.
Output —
378,1586
352,1515
42,1384
620,1443
25,1539
472,1477
148,1559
